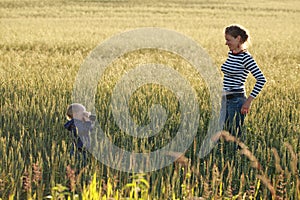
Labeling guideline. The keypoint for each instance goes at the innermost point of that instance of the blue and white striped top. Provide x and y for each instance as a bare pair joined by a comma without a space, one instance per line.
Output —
236,69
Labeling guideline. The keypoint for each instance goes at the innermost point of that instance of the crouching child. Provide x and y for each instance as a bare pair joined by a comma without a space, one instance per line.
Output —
80,124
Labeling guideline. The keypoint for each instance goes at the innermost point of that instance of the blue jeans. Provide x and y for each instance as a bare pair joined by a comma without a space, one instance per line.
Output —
234,119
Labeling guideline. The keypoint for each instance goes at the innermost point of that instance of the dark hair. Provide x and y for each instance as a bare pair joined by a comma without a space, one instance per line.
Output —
238,30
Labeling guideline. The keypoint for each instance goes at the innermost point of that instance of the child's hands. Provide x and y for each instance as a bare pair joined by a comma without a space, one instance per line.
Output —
86,116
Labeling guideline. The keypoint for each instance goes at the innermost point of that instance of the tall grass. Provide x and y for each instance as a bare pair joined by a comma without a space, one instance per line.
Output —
43,44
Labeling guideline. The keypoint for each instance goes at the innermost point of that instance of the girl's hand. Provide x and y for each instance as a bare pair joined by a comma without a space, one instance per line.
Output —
246,106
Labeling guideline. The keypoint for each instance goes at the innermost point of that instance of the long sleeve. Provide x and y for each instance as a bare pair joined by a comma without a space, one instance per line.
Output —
251,65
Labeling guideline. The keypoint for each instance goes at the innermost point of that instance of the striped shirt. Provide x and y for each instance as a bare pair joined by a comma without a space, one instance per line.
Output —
236,69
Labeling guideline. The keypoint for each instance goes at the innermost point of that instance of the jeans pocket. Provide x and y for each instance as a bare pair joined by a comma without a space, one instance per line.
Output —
236,103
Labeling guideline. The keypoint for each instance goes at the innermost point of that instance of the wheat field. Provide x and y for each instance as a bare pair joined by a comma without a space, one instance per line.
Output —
44,43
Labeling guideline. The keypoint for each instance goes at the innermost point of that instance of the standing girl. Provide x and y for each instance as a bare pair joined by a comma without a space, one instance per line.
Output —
236,69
